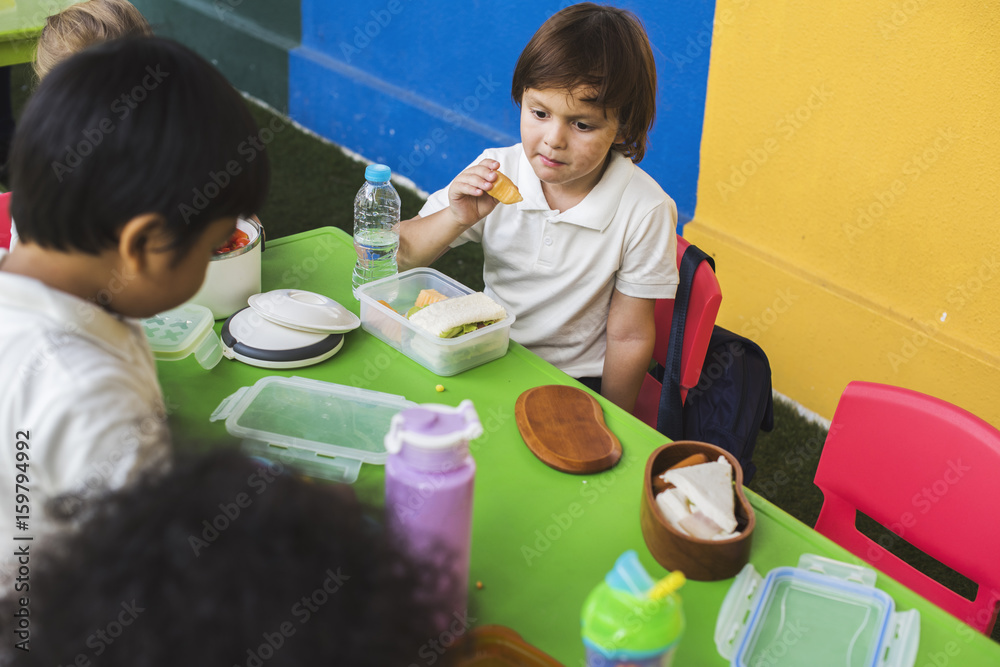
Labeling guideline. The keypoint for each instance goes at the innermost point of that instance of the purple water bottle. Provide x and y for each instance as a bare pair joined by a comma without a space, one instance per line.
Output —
429,477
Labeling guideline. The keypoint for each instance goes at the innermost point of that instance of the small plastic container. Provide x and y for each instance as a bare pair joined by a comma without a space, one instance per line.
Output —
824,608
327,430
442,356
184,331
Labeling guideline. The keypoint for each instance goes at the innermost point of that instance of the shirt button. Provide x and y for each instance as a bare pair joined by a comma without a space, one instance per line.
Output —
548,240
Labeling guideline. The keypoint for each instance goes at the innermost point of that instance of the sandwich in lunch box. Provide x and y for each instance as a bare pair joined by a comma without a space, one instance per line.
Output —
459,315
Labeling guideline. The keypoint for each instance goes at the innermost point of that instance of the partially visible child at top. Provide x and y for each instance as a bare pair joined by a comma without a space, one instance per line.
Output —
112,237
581,261
77,27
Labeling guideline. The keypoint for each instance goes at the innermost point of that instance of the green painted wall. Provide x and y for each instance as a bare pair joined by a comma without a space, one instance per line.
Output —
248,40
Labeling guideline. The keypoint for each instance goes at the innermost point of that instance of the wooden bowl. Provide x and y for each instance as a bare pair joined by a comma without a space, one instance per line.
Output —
698,559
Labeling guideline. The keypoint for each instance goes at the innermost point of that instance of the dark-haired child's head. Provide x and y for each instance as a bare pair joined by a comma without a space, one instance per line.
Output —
603,52
139,129
224,561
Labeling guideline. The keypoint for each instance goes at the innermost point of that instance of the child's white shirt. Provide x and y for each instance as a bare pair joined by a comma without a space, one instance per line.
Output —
556,271
79,386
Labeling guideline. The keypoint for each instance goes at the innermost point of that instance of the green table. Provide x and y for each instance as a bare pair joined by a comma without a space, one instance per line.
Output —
21,23
541,539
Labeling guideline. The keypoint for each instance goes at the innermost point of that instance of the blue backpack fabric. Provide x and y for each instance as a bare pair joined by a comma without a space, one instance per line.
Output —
732,401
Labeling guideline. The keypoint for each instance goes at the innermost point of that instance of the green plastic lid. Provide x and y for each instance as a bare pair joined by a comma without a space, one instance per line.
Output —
620,620
183,331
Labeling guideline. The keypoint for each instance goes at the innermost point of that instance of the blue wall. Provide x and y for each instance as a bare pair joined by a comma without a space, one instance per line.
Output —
425,87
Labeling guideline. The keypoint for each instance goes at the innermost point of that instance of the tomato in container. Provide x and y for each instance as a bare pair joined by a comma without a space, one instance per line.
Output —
238,240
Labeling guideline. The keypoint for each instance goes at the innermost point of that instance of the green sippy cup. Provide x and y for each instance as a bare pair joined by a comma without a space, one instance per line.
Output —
630,620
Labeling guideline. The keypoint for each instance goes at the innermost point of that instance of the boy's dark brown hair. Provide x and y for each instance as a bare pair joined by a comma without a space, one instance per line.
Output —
602,48
129,127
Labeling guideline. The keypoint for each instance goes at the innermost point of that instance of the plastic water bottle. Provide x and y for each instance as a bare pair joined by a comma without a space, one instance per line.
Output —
429,477
376,226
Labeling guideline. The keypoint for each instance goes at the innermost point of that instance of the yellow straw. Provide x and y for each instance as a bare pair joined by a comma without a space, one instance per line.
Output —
667,585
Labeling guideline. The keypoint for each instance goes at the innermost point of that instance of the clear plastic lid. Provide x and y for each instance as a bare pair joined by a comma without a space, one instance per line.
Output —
322,423
183,331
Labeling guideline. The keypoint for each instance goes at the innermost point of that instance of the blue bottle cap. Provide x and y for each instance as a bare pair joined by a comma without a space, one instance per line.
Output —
377,173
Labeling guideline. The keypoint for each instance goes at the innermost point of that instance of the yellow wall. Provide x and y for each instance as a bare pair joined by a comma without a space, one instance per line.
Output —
849,189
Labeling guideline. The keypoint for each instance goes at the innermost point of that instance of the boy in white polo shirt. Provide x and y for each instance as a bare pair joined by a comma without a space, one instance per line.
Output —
103,196
582,259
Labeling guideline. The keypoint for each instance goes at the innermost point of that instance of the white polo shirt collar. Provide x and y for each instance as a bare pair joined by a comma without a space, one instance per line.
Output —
111,332
596,210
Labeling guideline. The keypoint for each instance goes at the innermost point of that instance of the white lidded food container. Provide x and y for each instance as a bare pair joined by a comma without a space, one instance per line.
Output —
287,328
233,277
442,356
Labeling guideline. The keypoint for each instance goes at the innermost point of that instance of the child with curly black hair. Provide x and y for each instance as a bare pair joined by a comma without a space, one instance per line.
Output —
227,561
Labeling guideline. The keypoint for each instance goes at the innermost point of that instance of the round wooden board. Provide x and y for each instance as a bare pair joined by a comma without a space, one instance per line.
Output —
564,427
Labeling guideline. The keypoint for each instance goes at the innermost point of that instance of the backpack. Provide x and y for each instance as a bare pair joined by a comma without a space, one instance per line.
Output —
732,401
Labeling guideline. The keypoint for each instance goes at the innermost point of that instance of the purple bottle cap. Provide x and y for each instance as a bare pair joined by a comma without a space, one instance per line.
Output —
433,426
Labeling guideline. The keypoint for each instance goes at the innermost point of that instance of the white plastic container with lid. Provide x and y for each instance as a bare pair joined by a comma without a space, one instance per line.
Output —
327,430
287,328
232,277
184,331
823,612
442,356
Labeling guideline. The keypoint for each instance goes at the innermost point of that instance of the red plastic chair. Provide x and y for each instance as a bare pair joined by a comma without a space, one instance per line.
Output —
926,470
5,220
706,295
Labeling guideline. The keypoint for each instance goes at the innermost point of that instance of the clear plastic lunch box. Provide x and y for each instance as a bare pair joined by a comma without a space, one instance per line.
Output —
442,356
324,429
823,612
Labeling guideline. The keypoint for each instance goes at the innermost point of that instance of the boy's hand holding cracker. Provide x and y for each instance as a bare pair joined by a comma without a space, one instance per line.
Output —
472,196
467,194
